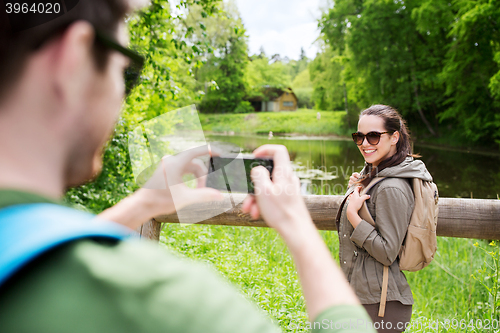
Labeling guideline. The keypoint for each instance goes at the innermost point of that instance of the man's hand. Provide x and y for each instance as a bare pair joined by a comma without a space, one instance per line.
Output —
278,201
282,207
165,192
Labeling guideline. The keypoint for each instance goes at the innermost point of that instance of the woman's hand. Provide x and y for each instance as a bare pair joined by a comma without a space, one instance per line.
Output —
354,178
356,200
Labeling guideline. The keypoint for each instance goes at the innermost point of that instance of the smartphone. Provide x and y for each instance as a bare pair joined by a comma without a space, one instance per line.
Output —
232,174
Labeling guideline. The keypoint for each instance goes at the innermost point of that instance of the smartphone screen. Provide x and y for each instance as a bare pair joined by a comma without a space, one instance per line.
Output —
233,174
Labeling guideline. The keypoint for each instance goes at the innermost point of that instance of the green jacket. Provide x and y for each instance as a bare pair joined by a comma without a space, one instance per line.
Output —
132,286
365,250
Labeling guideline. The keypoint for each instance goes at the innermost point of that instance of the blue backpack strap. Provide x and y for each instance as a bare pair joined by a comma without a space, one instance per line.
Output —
27,231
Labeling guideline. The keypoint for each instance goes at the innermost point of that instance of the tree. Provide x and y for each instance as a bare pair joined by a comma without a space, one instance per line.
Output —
303,89
261,74
166,83
325,75
302,54
386,50
471,70
221,77
434,60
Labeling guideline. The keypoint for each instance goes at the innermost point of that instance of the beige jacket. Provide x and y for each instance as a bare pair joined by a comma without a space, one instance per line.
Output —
365,250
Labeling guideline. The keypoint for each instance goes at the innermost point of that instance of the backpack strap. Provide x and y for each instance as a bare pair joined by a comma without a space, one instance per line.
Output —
383,294
363,212
28,231
339,211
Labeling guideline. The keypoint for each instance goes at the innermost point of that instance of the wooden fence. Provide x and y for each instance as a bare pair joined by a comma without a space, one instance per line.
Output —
463,218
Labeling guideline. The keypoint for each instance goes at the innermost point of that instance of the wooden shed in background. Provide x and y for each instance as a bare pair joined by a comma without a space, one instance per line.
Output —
275,99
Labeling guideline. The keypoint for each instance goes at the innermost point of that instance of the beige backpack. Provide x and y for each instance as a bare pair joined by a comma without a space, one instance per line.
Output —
420,243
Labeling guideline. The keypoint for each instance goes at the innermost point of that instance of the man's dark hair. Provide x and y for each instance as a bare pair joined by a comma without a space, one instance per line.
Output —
17,44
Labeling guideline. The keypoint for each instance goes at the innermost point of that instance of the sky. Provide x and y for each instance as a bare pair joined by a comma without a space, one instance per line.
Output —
281,26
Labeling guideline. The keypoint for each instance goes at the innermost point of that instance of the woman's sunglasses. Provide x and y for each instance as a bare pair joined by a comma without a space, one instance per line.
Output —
373,138
133,71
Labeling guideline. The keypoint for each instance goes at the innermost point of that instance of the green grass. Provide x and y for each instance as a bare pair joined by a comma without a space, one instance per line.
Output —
302,121
256,260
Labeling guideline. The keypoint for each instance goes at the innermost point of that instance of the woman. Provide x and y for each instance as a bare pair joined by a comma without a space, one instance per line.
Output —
384,142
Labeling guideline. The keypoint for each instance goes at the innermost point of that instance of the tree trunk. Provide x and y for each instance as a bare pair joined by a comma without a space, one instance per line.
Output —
420,112
415,91
346,108
151,230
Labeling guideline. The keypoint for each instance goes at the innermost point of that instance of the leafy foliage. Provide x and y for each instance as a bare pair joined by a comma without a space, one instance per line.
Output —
167,82
435,60
221,78
304,94
261,73
264,72
325,74
469,67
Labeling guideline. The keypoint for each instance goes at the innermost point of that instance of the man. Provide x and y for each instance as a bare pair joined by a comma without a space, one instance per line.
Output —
60,95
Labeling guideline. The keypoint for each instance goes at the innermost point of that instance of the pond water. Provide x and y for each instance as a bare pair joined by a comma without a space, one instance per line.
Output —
324,165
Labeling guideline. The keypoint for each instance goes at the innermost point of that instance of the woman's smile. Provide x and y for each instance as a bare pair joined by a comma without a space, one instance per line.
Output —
369,152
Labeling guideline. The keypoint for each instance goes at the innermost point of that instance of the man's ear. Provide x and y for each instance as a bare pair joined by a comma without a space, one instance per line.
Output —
72,64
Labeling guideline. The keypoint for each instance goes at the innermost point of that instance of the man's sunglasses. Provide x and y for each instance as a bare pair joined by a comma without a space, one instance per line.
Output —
133,71
373,138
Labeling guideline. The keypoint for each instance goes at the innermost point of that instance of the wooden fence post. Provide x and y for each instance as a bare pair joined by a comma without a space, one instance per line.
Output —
150,229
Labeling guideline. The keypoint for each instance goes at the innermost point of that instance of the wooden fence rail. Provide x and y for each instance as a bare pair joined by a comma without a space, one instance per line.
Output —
462,218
